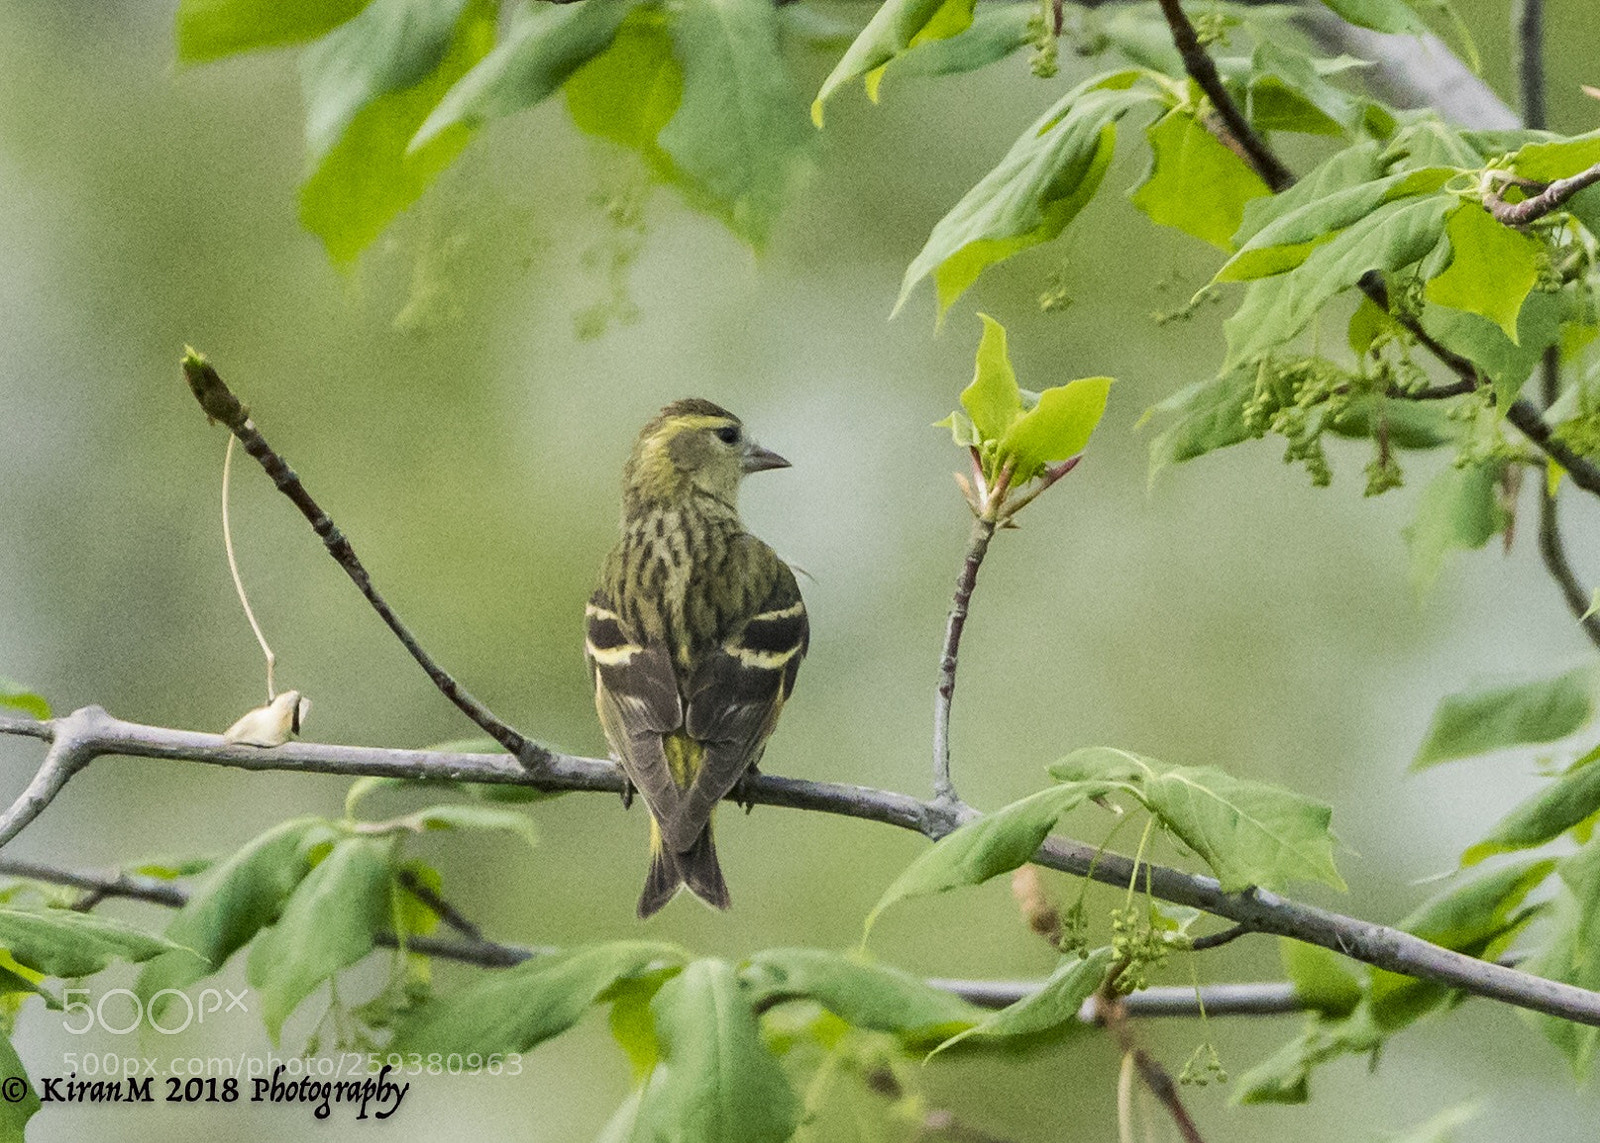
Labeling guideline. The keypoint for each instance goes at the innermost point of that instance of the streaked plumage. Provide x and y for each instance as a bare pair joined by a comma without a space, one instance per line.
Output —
694,637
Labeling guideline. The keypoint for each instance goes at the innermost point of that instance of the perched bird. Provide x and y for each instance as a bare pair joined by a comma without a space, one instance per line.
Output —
694,638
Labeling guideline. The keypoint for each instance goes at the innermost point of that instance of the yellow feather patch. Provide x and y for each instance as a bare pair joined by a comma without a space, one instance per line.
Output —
684,756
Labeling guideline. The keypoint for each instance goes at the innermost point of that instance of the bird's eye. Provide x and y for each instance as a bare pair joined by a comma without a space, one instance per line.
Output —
728,435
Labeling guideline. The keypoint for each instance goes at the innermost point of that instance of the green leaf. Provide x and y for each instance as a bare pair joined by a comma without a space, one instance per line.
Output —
1286,1076
1507,364
986,847
468,816
1478,917
19,697
739,134
1405,424
1496,717
210,29
391,45
14,1116
1195,184
1546,162
995,33
992,400
1459,509
64,943
371,175
894,29
1394,16
1057,427
1349,167
237,899
630,91
513,1009
328,924
875,997
546,44
716,1082
1322,978
1055,1004
632,1025
1393,236
1492,269
1047,177
1290,236
1209,415
1287,92
1249,833
1428,141
1562,804
1572,952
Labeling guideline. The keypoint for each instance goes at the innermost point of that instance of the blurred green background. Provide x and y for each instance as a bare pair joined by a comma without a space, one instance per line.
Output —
441,405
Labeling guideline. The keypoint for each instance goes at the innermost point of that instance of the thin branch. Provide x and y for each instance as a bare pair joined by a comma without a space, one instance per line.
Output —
129,885
442,909
220,404
1552,197
1529,28
66,756
1115,1017
1551,547
93,733
1524,416
983,527
1265,999
1217,940
1200,68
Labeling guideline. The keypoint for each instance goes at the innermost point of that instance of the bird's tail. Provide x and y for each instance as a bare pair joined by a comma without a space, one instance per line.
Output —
695,867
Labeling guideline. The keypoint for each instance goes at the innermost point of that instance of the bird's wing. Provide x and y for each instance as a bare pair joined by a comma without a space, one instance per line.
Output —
636,695
736,694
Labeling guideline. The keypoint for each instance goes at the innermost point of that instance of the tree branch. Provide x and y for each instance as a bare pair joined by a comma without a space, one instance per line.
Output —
1541,204
220,404
1529,28
1551,548
1115,1017
983,527
92,733
1198,64
1480,109
1264,999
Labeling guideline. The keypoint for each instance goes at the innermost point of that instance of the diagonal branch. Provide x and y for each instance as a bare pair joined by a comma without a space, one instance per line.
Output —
1552,197
220,404
91,732
944,790
1203,71
1584,473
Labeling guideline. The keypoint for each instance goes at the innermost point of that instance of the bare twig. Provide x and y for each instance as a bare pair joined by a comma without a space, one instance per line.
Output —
983,527
442,909
91,732
1550,198
1217,940
1551,547
1529,29
220,404
1114,1016
1200,68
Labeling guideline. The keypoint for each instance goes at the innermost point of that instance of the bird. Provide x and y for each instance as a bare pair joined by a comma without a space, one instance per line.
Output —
693,639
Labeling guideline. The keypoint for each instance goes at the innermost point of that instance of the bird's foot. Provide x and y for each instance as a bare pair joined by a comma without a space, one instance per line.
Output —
744,793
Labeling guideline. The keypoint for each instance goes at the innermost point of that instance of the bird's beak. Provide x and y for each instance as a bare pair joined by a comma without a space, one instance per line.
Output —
758,459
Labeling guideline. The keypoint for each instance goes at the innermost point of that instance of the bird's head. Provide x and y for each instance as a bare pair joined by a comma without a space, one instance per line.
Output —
693,447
